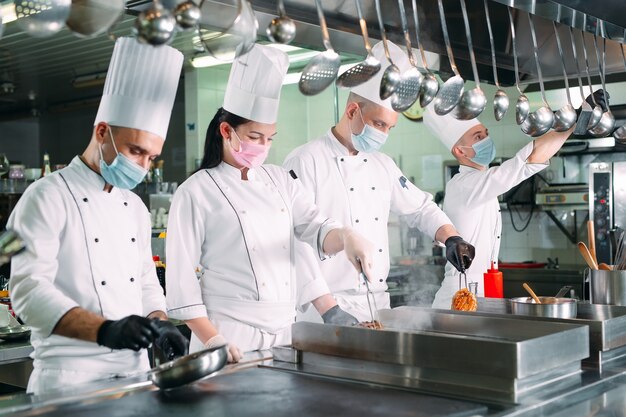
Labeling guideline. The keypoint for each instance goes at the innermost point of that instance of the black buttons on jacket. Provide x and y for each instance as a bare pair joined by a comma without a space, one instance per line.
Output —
132,239
97,240
85,199
351,188
103,283
125,203
132,279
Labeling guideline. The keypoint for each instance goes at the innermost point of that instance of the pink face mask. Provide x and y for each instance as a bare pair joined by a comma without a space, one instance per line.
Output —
250,155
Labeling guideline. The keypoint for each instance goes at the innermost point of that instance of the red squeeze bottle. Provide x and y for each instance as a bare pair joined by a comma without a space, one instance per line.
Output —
493,283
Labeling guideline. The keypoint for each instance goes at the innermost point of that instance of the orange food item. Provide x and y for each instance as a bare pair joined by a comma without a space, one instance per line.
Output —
464,300
371,325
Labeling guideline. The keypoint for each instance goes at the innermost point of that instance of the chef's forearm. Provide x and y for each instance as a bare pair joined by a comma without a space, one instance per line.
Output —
79,323
444,232
333,242
202,328
324,303
158,315
547,146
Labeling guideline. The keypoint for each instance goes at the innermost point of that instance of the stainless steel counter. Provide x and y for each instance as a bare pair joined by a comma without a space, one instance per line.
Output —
15,363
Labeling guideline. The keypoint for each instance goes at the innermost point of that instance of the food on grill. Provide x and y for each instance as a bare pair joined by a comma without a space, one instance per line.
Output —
371,325
464,300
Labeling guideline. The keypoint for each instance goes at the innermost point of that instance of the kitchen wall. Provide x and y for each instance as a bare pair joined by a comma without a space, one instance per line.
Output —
19,141
413,147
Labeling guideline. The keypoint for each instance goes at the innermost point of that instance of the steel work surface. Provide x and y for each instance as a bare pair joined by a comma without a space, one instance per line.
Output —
266,392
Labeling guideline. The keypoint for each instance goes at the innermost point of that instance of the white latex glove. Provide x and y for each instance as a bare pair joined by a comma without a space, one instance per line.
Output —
234,354
359,251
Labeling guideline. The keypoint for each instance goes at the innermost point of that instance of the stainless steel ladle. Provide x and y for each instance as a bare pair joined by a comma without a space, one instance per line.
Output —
451,91
430,85
281,29
597,110
586,114
366,69
500,99
607,122
565,117
522,105
407,92
391,77
473,101
541,120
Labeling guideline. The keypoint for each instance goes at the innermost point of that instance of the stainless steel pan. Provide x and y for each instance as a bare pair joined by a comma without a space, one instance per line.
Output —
189,368
565,308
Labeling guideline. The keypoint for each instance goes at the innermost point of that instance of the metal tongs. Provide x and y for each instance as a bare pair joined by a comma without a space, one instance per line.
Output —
370,294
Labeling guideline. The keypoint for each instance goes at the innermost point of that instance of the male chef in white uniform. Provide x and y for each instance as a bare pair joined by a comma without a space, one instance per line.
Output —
471,199
359,186
87,286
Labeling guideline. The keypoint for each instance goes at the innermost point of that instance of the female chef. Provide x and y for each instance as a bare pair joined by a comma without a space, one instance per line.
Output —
235,221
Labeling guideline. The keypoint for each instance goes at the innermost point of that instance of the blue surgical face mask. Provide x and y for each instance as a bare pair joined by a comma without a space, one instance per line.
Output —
370,139
122,172
485,151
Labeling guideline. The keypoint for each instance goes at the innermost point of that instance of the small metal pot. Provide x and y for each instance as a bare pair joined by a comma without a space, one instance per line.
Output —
608,287
189,368
564,308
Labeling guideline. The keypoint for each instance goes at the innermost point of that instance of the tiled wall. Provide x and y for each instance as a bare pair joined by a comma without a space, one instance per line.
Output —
412,146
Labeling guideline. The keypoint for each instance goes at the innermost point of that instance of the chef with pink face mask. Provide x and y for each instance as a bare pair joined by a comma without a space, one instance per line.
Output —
235,222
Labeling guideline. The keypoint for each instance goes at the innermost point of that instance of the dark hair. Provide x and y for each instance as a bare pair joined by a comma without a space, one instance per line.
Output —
214,143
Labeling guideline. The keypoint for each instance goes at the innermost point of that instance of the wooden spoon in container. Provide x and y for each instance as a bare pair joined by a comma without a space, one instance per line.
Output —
532,293
592,239
584,251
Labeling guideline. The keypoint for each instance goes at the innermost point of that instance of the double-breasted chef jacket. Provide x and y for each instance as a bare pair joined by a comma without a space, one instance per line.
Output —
86,248
240,235
357,190
471,202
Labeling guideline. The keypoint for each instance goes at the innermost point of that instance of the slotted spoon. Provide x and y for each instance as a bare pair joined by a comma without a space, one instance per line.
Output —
391,76
322,70
451,91
407,92
430,85
366,69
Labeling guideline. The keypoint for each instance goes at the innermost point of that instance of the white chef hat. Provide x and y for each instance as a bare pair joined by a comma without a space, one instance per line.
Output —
140,86
254,84
370,90
448,129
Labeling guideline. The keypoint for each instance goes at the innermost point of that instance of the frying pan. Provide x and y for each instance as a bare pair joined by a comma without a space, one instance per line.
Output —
189,368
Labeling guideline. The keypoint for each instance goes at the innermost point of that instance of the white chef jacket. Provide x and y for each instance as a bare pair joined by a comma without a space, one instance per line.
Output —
241,236
358,190
471,201
88,248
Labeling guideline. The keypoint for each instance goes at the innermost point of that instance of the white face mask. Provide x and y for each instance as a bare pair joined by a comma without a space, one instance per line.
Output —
370,139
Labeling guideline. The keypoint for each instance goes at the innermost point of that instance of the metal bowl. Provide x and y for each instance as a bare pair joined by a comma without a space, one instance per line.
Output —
14,333
564,308
189,368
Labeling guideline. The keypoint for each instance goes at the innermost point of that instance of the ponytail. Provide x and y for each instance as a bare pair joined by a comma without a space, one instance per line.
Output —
214,142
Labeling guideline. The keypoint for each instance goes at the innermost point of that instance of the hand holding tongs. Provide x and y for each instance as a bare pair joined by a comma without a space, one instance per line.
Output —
374,312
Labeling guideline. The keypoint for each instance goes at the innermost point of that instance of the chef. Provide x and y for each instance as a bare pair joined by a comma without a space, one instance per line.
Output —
471,199
358,185
236,221
87,286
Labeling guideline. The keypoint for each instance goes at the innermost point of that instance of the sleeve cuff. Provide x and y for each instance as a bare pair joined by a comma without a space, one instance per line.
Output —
327,226
188,312
312,290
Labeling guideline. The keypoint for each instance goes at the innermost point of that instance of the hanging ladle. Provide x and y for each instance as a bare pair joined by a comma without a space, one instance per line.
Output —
430,85
282,29
607,121
565,117
587,113
322,70
597,110
500,99
620,133
541,120
522,106
473,101
391,77
451,91
366,69
407,92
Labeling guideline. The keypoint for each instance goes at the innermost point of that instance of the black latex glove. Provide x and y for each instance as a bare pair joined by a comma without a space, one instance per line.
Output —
170,340
132,332
602,100
335,315
459,253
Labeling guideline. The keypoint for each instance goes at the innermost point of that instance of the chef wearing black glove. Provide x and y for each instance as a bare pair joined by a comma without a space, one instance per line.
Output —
459,253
